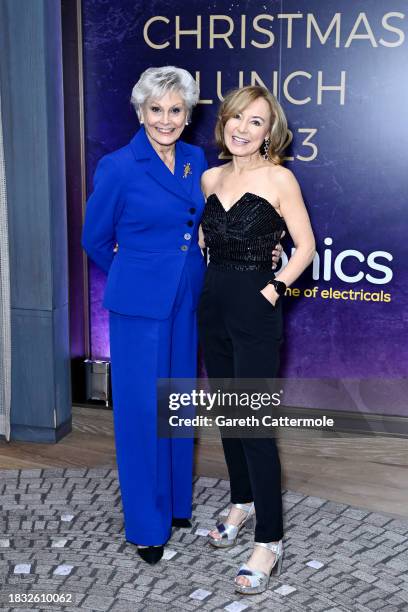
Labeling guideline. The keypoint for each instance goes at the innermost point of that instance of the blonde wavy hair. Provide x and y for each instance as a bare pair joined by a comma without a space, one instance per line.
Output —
236,101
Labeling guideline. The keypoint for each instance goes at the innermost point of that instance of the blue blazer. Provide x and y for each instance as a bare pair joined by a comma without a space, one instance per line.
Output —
153,216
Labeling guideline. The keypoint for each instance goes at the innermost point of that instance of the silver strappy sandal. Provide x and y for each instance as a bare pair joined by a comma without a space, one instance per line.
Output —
259,581
229,533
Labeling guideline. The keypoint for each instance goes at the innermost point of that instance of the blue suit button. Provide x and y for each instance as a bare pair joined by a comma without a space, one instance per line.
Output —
192,210
184,247
187,236
190,223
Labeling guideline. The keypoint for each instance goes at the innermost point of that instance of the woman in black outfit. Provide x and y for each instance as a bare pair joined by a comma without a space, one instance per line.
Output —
250,202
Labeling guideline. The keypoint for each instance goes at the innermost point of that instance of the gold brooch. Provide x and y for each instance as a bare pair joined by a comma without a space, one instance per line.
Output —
187,169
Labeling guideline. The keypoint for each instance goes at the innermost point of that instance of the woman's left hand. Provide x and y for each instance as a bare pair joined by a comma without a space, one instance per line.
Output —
269,292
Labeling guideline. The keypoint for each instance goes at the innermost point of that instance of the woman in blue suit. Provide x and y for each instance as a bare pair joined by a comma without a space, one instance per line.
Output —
147,200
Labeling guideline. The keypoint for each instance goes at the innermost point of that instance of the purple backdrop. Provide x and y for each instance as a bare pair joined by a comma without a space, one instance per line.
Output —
346,149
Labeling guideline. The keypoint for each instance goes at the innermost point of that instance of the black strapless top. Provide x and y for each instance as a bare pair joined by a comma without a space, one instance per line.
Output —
243,237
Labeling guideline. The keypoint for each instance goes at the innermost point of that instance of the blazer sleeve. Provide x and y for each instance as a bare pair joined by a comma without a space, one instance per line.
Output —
102,212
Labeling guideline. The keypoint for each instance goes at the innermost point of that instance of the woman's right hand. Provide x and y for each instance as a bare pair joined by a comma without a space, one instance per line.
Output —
277,253
201,239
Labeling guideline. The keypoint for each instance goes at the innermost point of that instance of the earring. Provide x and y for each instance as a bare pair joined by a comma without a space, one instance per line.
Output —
186,122
266,144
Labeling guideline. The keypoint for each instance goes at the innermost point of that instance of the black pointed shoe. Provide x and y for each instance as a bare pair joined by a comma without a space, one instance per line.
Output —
181,522
151,554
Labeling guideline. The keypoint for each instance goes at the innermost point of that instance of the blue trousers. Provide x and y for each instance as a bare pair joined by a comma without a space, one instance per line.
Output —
155,474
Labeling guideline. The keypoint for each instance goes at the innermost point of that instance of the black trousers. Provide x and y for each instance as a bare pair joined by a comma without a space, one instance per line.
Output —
240,334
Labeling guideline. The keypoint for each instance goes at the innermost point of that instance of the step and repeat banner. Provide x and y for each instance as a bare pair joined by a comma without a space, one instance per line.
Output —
339,71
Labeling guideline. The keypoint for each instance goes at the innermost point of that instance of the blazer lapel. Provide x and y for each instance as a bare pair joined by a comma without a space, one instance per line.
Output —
184,170
157,169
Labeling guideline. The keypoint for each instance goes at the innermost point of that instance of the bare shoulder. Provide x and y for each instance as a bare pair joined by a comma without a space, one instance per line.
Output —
283,178
211,172
210,177
216,170
281,174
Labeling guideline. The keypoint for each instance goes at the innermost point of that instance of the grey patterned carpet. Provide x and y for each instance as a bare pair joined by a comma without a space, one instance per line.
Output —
62,533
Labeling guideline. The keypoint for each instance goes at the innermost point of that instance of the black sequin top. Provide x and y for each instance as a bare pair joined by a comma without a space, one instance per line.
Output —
243,237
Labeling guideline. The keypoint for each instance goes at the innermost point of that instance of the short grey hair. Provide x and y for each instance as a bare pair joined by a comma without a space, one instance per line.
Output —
156,82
